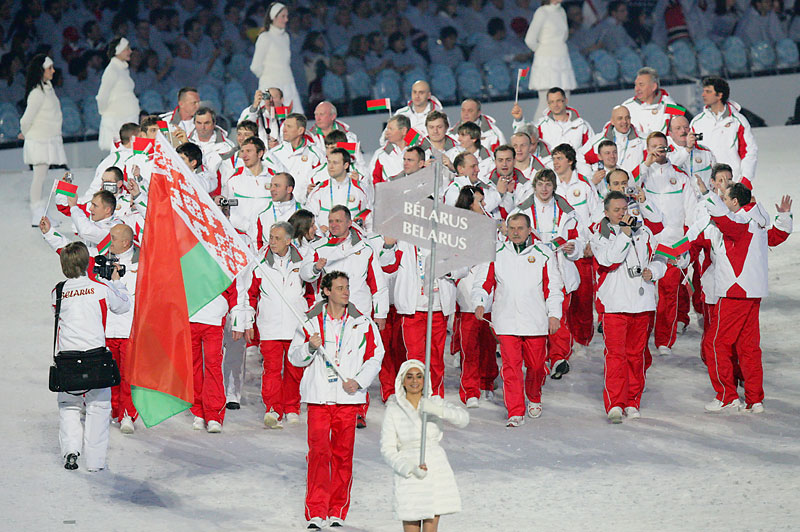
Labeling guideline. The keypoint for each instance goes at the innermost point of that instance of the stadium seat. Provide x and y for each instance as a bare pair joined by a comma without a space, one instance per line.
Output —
498,79
443,83
72,124
358,84
629,63
239,66
66,101
606,69
152,101
684,62
234,99
217,70
90,116
466,66
581,68
333,88
654,57
470,84
211,95
735,54
411,77
9,122
762,56
387,85
709,58
787,53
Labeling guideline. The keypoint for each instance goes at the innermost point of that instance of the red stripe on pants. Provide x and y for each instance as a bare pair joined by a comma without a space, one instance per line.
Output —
477,346
279,392
209,387
121,401
667,319
734,332
580,316
625,336
394,354
559,345
514,350
414,327
331,436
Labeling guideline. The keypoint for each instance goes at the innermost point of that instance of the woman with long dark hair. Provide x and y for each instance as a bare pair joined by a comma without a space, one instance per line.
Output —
116,100
40,127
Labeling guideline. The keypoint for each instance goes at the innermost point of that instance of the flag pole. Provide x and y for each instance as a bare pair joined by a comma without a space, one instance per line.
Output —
516,94
50,198
437,176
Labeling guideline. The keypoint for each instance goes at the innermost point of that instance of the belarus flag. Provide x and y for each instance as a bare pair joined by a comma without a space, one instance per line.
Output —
190,254
379,105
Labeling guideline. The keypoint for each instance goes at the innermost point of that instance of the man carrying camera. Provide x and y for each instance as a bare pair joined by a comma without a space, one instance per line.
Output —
687,153
248,186
645,211
626,300
83,311
669,188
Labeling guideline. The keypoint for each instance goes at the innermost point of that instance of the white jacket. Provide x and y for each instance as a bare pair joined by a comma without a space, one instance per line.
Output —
116,158
669,188
646,117
418,119
574,131
491,135
115,96
217,309
84,308
42,117
528,289
697,162
386,162
119,325
215,149
730,138
631,150
276,211
252,191
616,252
359,357
437,493
349,193
581,195
493,201
301,162
90,232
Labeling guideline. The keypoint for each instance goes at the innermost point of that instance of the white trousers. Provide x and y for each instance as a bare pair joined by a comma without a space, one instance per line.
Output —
92,439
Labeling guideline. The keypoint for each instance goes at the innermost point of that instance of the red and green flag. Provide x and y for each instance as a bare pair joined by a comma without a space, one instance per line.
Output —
104,244
349,147
558,241
412,137
190,254
281,112
142,145
383,104
675,109
522,73
66,189
163,127
667,251
682,246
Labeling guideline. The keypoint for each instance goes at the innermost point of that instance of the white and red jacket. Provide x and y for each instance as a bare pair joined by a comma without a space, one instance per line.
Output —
527,289
669,188
491,135
89,231
631,150
318,136
484,156
116,158
418,119
646,213
276,211
261,116
516,187
739,250
574,131
215,149
301,162
649,117
387,161
494,202
697,162
427,145
615,253
347,192
358,355
352,255
252,191
581,195
274,318
214,312
730,138
173,118
411,287
84,310
119,325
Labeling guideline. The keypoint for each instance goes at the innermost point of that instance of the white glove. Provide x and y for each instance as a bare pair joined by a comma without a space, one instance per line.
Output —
434,408
243,318
419,472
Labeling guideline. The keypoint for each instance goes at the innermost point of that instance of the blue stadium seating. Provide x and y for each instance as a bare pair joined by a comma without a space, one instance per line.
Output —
787,53
211,95
709,58
581,68
9,122
499,82
629,63
654,57
606,69
411,77
358,84
684,62
333,88
239,66
234,99
387,85
762,56
443,83
152,101
735,54
71,124
470,84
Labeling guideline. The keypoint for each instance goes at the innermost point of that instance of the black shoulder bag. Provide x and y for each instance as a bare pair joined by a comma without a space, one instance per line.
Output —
80,370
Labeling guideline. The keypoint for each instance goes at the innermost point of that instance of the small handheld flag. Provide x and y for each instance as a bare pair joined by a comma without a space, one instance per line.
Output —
522,73
681,246
412,137
142,145
281,112
104,244
675,250
349,147
163,126
66,189
666,251
384,104
558,242
674,110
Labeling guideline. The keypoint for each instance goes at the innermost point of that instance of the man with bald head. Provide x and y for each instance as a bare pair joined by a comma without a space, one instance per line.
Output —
324,122
118,326
421,103
631,149
687,153
491,136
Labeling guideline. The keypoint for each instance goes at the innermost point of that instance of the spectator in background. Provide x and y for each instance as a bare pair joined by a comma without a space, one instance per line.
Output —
420,13
73,48
341,32
594,11
497,45
473,20
12,78
580,35
314,55
445,51
357,53
760,23
793,23
403,59
723,19
94,36
376,59
611,31
636,26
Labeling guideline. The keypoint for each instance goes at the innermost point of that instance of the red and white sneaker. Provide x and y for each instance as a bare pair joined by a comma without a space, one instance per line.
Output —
752,408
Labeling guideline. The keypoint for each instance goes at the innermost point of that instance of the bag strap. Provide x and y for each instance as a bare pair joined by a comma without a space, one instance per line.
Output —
59,293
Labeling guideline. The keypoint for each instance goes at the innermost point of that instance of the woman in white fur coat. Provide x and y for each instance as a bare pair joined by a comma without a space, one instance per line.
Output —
422,493
116,101
547,37
272,58
40,127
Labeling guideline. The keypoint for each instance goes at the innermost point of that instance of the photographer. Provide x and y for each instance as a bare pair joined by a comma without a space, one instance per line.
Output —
626,298
250,184
687,153
646,212
84,304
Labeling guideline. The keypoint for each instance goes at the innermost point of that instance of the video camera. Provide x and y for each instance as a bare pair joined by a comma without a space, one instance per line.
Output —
225,202
104,266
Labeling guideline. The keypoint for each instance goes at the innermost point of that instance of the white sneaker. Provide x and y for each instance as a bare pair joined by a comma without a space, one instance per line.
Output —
632,412
754,408
199,423
718,407
664,350
457,360
271,420
335,522
534,410
515,421
487,395
292,418
615,415
472,402
214,427
682,328
316,523
578,349
126,425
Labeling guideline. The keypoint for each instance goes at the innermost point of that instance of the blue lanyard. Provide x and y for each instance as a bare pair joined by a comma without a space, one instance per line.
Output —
341,334
555,217
275,214
347,199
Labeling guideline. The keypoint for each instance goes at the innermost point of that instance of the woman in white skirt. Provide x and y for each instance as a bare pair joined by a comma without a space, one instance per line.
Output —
547,37
40,127
272,59
116,101
424,492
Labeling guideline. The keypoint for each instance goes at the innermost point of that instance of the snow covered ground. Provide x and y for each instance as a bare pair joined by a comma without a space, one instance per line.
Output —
675,469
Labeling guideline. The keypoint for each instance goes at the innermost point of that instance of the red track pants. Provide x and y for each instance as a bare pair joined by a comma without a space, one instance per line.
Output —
734,333
280,393
121,401
209,387
413,329
625,336
673,306
559,345
514,350
478,360
580,316
394,354
331,436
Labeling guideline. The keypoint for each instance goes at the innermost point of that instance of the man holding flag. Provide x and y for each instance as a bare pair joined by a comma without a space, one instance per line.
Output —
388,160
560,124
93,230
